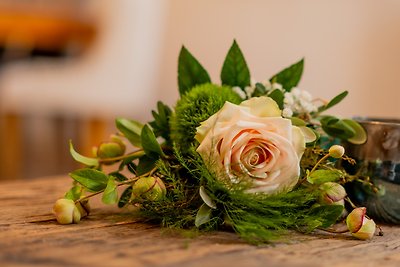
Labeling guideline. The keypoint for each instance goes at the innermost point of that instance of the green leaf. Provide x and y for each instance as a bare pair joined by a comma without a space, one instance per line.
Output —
337,99
290,76
297,121
323,176
91,179
74,193
91,162
145,165
203,215
190,72
149,142
260,90
329,214
110,194
360,135
131,158
160,124
278,97
235,71
118,176
336,127
131,129
125,197
206,198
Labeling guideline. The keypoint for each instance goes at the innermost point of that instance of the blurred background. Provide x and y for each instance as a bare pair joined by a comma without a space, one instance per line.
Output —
69,67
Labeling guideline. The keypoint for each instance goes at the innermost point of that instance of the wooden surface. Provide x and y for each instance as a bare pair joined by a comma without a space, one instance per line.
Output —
110,237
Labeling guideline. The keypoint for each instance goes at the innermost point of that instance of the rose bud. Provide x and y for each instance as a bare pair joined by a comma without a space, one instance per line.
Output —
149,188
111,149
66,211
336,151
332,193
359,225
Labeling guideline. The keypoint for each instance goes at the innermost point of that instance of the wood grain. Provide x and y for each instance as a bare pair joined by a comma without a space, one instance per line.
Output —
110,237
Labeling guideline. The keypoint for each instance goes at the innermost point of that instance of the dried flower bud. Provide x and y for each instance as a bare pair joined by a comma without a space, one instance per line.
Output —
110,149
359,225
336,151
332,193
66,211
149,188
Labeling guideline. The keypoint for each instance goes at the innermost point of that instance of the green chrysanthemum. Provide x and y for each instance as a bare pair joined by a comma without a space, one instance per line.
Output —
195,107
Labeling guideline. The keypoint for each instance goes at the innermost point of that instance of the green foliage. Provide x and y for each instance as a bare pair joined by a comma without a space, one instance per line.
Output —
234,70
131,129
290,76
190,72
74,193
278,96
203,215
336,100
160,124
195,107
336,127
125,197
149,143
91,179
110,194
90,162
322,176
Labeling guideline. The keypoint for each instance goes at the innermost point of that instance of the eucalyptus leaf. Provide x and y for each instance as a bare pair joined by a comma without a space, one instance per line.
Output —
290,76
234,70
190,72
149,142
309,134
131,130
125,197
203,215
91,179
90,162
336,100
206,198
110,194
360,135
323,176
337,128
297,121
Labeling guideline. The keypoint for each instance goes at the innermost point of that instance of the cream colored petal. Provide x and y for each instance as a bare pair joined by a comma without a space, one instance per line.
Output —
262,106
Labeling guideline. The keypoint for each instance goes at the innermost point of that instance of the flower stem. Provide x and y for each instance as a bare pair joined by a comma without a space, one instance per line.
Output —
136,154
118,184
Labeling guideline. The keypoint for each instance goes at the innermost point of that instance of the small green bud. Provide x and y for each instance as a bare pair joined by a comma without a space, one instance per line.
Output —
149,188
359,225
66,211
110,150
336,151
332,193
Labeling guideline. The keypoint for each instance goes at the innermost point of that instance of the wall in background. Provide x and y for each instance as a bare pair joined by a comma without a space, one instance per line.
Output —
347,45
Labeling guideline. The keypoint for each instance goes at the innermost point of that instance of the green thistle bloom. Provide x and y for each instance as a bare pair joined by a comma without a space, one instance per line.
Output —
195,107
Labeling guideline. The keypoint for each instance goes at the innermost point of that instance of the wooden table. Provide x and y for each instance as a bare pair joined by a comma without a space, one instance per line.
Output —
110,237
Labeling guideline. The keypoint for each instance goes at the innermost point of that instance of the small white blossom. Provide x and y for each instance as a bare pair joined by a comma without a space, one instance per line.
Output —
277,86
287,113
239,91
249,90
299,101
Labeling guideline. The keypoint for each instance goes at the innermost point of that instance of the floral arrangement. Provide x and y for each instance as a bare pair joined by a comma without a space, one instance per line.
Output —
256,158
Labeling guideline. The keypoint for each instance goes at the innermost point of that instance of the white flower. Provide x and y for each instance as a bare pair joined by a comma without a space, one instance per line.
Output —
249,91
299,101
253,142
239,91
287,113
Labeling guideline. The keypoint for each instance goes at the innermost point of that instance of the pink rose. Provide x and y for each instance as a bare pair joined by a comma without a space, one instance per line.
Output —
252,141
